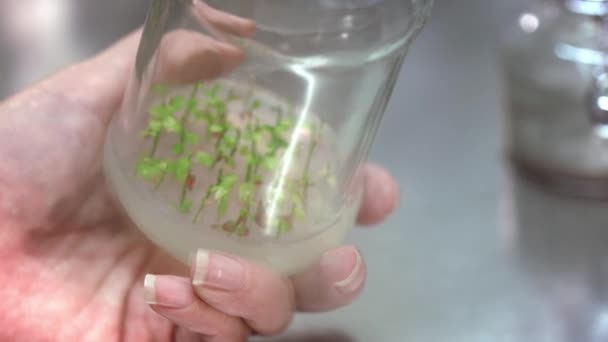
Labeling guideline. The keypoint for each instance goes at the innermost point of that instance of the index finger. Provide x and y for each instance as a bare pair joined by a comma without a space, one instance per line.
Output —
380,195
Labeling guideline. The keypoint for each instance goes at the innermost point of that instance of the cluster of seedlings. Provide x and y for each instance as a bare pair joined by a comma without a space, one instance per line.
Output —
239,148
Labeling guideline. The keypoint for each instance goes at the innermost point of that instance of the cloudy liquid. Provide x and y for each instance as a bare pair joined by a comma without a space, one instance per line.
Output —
329,214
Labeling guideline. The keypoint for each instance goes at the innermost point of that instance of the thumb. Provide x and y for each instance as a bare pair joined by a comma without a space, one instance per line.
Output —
334,282
97,84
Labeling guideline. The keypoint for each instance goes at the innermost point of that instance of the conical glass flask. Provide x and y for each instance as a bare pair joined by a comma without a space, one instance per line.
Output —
246,122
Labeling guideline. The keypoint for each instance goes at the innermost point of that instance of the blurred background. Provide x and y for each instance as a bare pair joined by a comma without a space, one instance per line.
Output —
474,253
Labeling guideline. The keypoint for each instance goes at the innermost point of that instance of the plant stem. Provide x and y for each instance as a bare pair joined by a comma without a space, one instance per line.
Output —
207,196
157,136
195,90
185,185
254,150
155,145
182,137
218,158
183,193
247,110
161,180
236,144
311,150
244,216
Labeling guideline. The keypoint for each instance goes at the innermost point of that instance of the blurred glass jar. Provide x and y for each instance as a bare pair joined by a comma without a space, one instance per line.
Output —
246,122
552,61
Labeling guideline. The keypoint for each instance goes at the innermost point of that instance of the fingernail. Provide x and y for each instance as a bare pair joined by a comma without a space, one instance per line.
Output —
168,291
345,266
217,271
354,274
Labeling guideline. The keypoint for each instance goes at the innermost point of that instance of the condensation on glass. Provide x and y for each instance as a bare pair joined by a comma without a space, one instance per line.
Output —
245,124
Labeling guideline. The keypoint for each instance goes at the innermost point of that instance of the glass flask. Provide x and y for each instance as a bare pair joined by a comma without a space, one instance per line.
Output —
246,122
554,65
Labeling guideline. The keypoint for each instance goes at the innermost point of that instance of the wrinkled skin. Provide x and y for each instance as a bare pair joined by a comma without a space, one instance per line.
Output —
73,267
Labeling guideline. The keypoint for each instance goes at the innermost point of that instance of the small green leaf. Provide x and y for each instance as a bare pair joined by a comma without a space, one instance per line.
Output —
192,104
219,191
242,230
252,160
277,142
224,187
230,162
256,104
171,124
155,125
248,134
171,166
246,191
298,205
300,214
182,169
286,124
284,226
216,128
223,206
186,205
230,180
191,138
244,151
270,162
261,128
199,114
163,165
306,180
160,111
213,91
145,169
220,107
146,134
177,103
149,168
205,159
178,149
257,136
230,140
225,150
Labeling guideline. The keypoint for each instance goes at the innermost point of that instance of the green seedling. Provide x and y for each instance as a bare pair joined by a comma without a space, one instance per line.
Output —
259,146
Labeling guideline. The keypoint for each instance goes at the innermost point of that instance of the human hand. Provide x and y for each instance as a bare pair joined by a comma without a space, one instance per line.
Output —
74,268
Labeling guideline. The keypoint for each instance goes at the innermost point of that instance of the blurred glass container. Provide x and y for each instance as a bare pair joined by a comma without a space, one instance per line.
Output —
557,131
246,122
